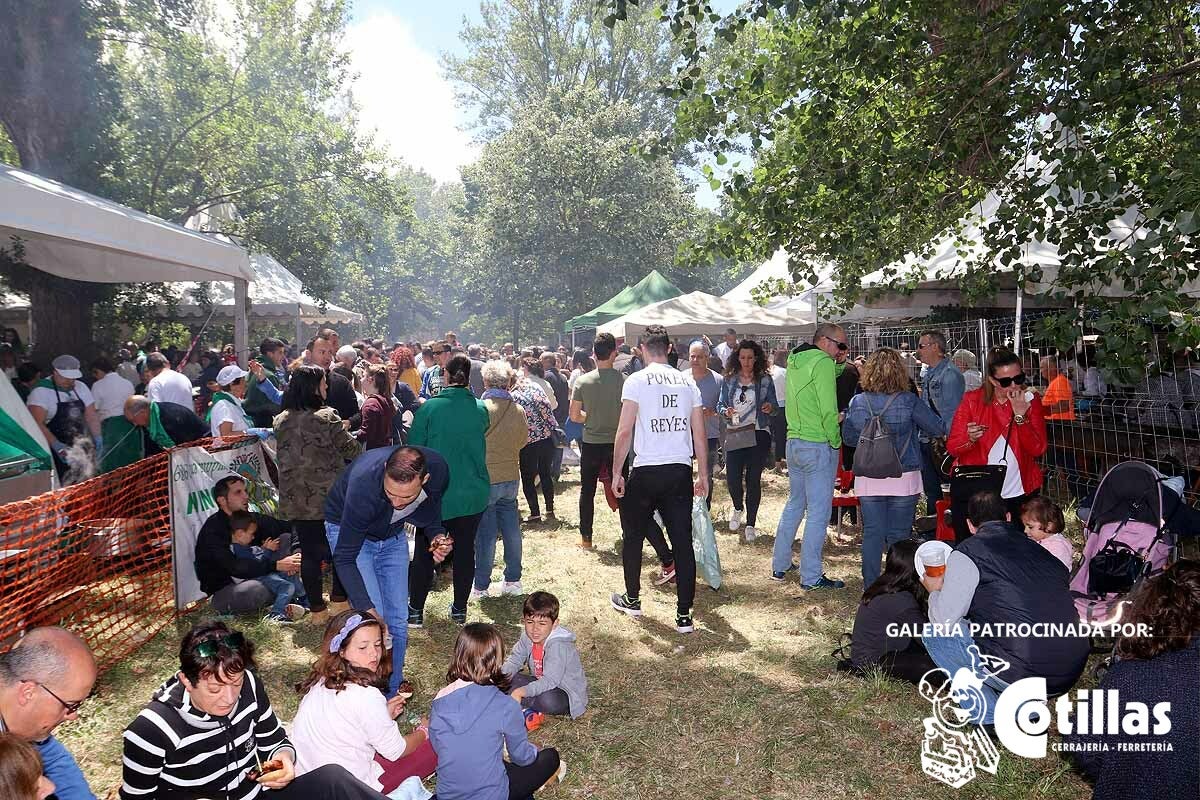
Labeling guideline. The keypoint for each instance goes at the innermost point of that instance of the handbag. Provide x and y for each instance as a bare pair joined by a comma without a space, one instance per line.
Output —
1114,569
943,462
968,480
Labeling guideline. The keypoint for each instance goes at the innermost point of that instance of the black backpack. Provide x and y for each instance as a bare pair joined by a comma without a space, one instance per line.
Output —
876,456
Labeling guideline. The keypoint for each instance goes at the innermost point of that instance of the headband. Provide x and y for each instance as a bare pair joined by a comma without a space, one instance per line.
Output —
352,624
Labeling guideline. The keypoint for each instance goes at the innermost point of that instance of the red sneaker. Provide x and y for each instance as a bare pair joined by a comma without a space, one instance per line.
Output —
533,719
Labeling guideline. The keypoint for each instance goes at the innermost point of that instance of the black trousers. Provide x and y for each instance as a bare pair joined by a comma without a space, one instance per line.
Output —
779,434
420,571
314,548
554,702
330,782
524,781
537,460
749,461
591,458
666,489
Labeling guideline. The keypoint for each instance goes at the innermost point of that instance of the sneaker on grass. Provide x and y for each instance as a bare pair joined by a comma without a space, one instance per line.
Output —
278,619
416,619
684,623
779,576
295,612
735,520
512,588
459,617
477,594
824,583
627,605
533,719
666,576
751,533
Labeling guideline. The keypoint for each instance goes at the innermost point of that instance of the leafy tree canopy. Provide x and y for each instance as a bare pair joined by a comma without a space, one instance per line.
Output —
874,125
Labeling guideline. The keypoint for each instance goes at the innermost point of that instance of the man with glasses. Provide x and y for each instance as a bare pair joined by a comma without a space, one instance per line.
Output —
43,682
434,378
814,439
942,387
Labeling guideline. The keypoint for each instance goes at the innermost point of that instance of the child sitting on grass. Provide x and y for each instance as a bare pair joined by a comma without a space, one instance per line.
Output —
555,683
1044,523
473,720
243,528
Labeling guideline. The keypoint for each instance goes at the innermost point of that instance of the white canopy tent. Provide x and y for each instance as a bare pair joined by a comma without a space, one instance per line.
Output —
275,293
699,312
76,235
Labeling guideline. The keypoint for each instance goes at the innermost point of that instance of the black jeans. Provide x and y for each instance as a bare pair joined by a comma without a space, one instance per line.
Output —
330,782
524,781
554,702
779,434
591,458
314,548
748,460
420,571
666,489
537,459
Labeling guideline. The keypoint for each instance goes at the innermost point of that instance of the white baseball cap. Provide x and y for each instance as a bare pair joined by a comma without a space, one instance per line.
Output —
67,366
229,374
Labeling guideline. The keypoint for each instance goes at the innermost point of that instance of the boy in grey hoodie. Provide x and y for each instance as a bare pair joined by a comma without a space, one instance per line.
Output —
555,684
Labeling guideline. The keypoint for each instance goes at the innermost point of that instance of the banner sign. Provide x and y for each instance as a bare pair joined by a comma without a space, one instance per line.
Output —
194,470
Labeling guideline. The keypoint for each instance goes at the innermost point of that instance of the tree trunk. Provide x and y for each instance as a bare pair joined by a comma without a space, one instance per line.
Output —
516,327
56,101
62,318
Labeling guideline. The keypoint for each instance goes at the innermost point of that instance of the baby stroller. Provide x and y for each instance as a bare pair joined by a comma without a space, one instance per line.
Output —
1126,539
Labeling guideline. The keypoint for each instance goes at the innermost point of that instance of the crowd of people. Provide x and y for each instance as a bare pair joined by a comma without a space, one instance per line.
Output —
395,461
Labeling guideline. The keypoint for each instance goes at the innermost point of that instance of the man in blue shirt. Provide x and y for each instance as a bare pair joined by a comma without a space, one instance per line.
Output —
381,493
43,681
942,387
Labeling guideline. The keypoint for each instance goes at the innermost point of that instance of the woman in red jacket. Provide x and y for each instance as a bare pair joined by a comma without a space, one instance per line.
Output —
377,409
1002,422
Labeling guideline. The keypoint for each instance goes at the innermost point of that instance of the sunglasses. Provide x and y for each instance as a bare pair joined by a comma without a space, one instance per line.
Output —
840,345
210,647
71,708
1019,379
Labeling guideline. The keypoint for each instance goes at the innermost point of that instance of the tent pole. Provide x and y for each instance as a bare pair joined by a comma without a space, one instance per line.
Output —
299,324
1017,321
241,334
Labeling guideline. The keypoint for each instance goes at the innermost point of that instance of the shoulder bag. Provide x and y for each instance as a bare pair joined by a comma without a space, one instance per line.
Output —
968,480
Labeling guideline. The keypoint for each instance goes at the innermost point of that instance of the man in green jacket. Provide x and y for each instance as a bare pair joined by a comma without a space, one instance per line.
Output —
261,408
814,440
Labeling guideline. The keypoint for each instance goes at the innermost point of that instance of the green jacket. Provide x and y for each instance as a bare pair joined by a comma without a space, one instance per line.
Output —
256,402
811,408
455,424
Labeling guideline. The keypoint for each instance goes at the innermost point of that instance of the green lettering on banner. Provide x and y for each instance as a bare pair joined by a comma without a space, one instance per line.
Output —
200,500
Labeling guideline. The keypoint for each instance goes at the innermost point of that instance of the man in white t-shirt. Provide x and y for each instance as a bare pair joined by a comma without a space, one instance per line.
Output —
725,348
110,390
165,385
64,409
664,407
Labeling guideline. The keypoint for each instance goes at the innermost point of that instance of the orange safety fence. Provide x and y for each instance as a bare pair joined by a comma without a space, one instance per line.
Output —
94,557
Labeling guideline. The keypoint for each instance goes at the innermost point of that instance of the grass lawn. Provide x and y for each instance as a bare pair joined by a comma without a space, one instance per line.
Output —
748,706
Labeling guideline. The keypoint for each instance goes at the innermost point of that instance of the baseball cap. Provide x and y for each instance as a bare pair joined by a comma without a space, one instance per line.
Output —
229,374
67,366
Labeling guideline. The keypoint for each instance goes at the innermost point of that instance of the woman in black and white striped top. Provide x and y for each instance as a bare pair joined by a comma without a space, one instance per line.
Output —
210,729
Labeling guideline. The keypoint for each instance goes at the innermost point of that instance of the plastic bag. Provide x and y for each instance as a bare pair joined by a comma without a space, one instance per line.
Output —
704,542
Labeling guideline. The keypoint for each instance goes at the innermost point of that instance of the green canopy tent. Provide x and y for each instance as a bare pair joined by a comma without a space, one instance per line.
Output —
650,289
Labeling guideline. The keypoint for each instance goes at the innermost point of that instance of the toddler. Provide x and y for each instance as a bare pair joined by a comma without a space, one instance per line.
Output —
286,588
1044,524
555,683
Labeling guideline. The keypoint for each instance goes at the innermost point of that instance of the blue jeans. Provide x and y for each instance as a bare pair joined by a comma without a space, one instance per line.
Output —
950,653
500,517
384,568
284,588
885,520
812,468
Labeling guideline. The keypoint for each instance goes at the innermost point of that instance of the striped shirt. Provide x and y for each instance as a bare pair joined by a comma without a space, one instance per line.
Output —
174,751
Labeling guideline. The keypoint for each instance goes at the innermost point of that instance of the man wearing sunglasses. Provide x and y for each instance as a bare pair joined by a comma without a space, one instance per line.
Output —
814,439
43,682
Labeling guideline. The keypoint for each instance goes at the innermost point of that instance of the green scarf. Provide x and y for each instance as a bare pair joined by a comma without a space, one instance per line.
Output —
157,432
218,397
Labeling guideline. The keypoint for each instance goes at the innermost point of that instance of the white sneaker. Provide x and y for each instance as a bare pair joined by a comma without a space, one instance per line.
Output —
751,533
511,587
735,520
478,593
295,612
